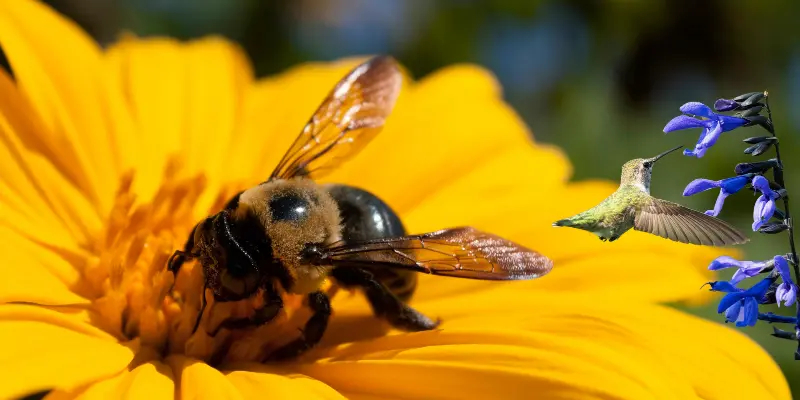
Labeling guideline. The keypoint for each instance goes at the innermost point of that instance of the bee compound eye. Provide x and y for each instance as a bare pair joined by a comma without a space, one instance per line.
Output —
288,207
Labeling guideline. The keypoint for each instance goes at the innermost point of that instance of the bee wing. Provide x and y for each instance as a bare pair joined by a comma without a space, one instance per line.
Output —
349,117
676,222
462,252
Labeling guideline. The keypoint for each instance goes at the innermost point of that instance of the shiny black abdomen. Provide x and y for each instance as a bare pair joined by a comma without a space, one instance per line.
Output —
364,217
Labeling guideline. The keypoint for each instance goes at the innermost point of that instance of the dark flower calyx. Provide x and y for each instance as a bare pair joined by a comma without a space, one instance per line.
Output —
742,97
779,214
782,334
760,120
769,296
756,167
750,112
758,149
773,228
759,139
753,100
782,193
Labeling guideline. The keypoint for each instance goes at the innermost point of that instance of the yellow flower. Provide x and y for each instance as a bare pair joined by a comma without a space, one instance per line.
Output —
85,307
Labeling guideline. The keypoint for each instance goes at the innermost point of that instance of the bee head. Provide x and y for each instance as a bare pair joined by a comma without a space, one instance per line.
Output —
229,256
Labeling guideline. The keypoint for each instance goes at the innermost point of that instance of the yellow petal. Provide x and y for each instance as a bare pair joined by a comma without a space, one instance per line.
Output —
37,355
260,381
60,79
201,87
558,347
149,381
36,274
473,380
36,195
450,134
491,182
198,380
67,318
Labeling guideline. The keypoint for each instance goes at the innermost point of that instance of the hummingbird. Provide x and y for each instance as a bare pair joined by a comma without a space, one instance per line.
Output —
632,206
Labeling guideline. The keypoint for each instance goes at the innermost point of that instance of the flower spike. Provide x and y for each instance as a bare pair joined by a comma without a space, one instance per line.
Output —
780,274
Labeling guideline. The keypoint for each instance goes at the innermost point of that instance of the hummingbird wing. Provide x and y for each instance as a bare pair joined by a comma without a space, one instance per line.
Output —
676,222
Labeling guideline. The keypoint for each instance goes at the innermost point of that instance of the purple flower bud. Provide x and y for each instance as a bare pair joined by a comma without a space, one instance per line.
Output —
725,105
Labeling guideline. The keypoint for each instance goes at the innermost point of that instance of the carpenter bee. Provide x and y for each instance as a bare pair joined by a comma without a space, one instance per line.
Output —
289,234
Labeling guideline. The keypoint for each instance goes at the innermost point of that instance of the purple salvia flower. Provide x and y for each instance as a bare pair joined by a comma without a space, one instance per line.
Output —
787,290
745,269
741,306
765,204
743,312
727,187
713,126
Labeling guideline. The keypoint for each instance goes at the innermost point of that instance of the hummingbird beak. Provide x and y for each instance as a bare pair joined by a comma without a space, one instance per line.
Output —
656,158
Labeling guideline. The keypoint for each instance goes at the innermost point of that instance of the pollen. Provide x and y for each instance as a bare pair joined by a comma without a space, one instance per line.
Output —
137,299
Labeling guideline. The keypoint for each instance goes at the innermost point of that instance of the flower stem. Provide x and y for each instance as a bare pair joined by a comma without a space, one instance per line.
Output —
778,177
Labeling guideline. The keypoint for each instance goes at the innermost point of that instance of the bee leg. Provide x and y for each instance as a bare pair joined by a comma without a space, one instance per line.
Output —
384,303
273,303
181,256
311,334
202,309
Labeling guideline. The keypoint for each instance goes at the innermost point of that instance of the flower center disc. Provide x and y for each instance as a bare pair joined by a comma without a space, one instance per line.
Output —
137,299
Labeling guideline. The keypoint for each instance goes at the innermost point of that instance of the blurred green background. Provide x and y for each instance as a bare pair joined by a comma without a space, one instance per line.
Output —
599,78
